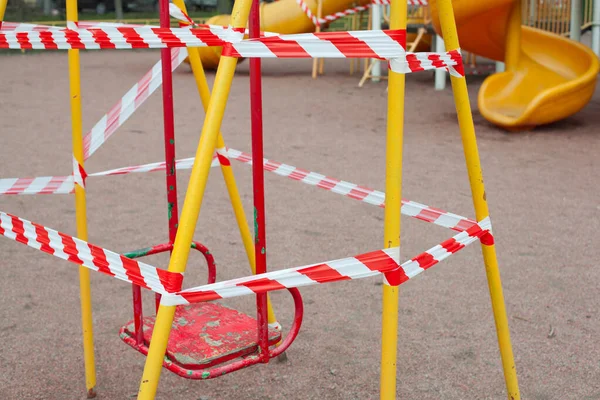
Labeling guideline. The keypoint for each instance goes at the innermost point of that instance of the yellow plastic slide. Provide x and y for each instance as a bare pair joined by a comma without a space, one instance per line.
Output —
286,17
547,78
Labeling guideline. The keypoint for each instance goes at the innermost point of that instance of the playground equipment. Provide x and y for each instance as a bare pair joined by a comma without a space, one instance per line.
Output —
164,347
547,77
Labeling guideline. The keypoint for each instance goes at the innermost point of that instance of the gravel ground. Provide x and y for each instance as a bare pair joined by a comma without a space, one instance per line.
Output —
542,188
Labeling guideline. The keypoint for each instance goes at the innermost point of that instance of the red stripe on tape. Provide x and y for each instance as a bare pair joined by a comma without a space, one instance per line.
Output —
43,239
133,38
299,174
99,259
322,273
48,40
377,261
73,39
328,183
70,248
457,58
18,230
425,260
172,282
132,268
23,39
349,45
223,160
200,296
262,285
285,48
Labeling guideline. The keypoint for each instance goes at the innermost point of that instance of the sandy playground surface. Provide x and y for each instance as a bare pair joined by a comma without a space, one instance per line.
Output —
542,189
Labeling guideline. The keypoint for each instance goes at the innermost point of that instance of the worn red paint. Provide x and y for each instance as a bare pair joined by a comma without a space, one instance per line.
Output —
258,181
209,340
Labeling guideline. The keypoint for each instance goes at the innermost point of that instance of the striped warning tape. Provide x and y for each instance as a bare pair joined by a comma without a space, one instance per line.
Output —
354,191
131,101
357,267
169,283
384,45
65,184
412,62
90,256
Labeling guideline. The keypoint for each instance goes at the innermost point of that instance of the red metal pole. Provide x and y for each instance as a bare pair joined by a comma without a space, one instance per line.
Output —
258,182
138,314
169,130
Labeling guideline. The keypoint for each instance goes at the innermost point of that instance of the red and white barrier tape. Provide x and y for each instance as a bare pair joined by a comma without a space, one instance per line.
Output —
169,283
385,44
131,101
39,185
90,256
65,184
361,266
354,191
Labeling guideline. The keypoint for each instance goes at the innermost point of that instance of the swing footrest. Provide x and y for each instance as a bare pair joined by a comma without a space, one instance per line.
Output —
203,335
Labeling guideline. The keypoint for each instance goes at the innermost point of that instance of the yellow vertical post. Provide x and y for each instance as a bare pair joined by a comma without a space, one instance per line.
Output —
192,205
393,197
467,130
2,9
228,176
513,37
80,211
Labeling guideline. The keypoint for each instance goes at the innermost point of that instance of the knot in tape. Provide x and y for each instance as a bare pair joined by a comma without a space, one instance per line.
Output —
79,174
483,230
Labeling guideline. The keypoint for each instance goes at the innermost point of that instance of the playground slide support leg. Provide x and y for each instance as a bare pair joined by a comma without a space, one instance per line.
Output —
513,38
467,129
440,74
191,206
575,26
226,170
596,27
393,197
87,325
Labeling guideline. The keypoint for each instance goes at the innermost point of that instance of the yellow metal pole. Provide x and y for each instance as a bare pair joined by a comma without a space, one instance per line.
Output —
192,204
2,9
80,211
393,197
228,176
513,37
467,130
